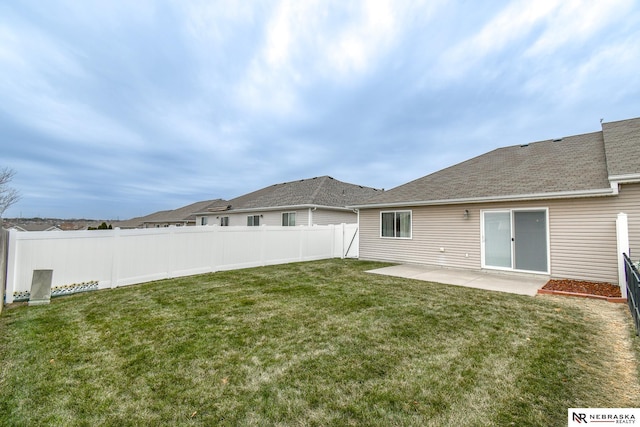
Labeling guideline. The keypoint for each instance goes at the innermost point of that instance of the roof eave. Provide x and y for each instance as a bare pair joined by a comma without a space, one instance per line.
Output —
160,221
631,178
509,198
276,208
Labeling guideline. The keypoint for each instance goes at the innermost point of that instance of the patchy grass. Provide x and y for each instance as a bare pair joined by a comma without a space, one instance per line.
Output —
318,343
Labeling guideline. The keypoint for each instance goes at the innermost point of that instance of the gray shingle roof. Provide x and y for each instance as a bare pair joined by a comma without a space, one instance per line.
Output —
185,213
571,165
622,142
318,191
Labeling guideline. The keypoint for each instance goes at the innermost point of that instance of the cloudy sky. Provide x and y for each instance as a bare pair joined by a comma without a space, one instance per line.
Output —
115,109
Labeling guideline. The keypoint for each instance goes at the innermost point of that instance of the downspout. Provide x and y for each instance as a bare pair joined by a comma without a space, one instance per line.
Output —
615,186
311,210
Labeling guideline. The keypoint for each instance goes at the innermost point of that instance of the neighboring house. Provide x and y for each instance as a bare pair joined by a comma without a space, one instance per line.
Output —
181,217
49,224
35,227
314,201
548,207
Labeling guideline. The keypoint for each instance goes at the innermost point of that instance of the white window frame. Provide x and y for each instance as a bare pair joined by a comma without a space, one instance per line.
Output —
253,220
395,218
224,221
289,216
204,220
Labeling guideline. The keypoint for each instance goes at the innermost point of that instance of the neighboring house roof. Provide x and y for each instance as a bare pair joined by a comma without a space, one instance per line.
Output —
36,227
323,191
580,165
183,214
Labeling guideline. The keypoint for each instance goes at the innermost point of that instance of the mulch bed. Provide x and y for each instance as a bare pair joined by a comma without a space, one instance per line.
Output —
606,290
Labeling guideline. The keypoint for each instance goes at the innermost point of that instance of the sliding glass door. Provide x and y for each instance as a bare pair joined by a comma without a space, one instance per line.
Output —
530,240
497,239
516,239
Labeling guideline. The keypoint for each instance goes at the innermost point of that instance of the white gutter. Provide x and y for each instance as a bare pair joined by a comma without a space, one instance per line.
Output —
274,208
523,197
625,179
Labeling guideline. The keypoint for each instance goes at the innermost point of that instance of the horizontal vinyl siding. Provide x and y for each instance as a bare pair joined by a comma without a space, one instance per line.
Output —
329,217
582,235
629,203
583,239
432,228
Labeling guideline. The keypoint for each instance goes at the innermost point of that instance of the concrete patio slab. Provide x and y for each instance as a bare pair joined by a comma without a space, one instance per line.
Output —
515,283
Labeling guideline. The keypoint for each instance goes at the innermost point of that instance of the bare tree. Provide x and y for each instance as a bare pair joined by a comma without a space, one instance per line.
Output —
8,195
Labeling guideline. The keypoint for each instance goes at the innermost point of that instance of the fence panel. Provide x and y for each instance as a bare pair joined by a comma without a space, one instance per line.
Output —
633,291
123,257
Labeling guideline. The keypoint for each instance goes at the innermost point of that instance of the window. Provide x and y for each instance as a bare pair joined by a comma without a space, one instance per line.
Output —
396,224
224,221
253,220
204,220
289,219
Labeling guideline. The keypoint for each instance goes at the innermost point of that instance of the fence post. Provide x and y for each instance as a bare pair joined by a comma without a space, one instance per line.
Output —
11,266
301,244
622,233
171,260
4,253
115,258
263,244
217,246
343,226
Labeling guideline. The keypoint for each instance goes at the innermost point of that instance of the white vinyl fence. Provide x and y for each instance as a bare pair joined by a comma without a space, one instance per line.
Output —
113,258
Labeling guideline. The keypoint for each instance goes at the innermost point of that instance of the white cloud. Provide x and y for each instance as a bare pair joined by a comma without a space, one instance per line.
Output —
511,25
575,21
194,126
367,37
307,42
25,51
75,121
34,65
278,43
219,97
600,73
213,23
105,15
530,30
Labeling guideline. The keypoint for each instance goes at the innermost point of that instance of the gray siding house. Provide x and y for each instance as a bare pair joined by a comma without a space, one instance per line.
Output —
314,201
181,217
547,207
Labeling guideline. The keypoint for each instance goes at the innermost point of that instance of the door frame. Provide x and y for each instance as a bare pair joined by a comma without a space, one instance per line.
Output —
511,212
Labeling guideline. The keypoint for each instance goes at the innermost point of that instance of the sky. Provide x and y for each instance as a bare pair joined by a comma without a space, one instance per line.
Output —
117,109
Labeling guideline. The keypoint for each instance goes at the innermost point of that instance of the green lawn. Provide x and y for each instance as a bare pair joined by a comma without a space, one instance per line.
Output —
317,343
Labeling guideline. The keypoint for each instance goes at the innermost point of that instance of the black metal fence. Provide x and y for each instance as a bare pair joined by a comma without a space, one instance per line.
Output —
633,290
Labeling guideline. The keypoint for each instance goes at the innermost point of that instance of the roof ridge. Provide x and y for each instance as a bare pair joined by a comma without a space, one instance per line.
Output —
315,193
